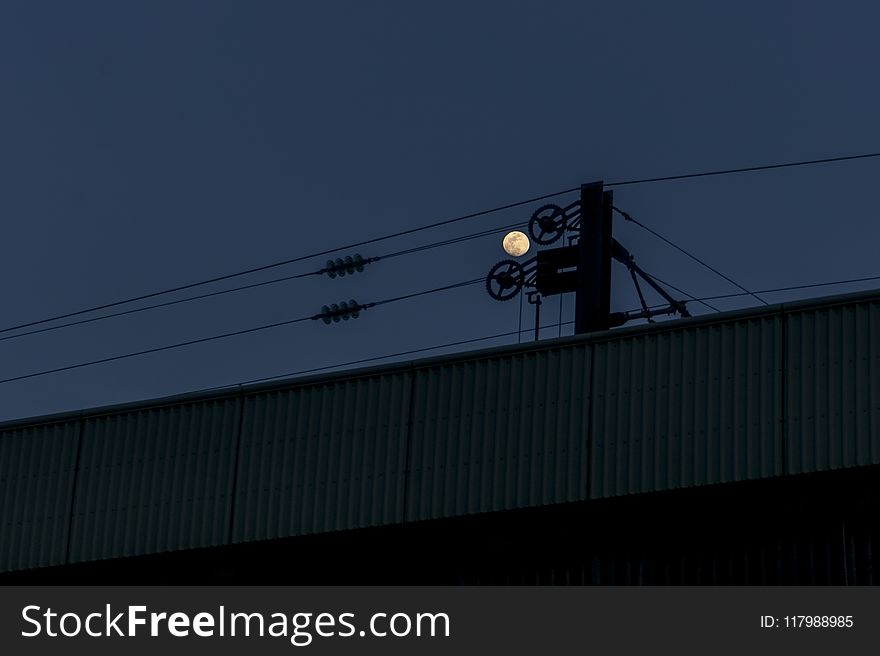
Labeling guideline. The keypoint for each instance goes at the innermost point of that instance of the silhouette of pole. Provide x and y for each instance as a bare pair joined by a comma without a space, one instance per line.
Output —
537,316
593,295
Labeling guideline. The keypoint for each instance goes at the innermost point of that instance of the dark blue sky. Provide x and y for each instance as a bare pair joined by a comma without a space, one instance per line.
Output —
145,145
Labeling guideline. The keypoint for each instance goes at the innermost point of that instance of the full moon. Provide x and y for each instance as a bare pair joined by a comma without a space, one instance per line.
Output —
515,243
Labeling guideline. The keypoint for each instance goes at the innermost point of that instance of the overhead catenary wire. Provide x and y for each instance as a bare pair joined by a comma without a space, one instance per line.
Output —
444,222
627,216
443,288
517,332
508,334
157,349
456,285
409,251
155,306
273,281
375,358
455,240
746,169
850,281
813,285
496,230
227,335
265,267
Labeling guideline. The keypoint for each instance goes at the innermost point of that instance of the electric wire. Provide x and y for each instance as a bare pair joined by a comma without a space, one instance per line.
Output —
279,264
157,349
747,169
404,297
363,360
517,332
628,217
796,287
235,333
374,359
353,362
424,247
123,313
444,222
790,288
454,240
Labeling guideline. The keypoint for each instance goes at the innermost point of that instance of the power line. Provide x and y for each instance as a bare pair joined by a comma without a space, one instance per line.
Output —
278,264
382,357
511,333
154,350
733,282
797,287
362,361
424,247
155,306
747,169
515,332
409,251
436,224
456,240
430,291
719,297
235,333
375,358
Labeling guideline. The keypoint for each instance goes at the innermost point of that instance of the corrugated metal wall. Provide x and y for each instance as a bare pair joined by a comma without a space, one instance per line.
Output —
833,387
155,480
36,486
728,398
687,407
322,457
500,432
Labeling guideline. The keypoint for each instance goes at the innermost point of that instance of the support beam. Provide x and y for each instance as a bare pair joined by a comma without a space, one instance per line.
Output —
593,303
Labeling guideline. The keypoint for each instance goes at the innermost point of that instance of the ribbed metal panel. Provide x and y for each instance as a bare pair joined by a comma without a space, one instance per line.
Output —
787,389
833,387
687,407
500,432
155,480
322,457
36,485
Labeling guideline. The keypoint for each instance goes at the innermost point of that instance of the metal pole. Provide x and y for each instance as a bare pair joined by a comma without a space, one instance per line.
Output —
537,316
593,296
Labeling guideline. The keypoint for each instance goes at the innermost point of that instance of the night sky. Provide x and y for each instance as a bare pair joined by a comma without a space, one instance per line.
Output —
151,144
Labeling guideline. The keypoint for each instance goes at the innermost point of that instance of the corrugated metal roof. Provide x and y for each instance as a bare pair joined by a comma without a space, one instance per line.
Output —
36,487
727,397
155,480
687,407
498,433
833,387
322,457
